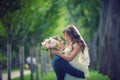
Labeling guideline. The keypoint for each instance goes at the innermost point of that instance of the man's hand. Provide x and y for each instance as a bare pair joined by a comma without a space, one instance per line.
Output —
52,51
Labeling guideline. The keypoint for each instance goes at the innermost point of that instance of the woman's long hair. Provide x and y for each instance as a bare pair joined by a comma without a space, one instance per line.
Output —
75,37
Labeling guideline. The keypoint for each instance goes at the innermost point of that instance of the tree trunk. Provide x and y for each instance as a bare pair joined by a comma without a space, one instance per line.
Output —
109,39
31,62
43,60
94,56
9,46
102,34
21,53
37,60
114,40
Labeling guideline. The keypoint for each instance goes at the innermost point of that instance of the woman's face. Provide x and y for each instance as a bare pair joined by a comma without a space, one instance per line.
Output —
67,37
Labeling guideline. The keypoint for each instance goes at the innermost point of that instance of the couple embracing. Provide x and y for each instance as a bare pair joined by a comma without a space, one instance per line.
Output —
71,60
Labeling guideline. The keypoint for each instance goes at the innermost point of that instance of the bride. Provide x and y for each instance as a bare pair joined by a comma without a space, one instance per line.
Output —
75,51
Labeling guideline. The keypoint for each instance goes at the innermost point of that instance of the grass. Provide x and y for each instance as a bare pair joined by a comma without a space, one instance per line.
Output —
94,75
47,76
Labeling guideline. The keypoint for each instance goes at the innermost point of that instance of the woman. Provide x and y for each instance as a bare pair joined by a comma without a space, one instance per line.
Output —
76,52
61,66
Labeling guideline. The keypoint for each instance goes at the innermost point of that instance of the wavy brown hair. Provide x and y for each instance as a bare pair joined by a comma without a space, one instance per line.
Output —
74,36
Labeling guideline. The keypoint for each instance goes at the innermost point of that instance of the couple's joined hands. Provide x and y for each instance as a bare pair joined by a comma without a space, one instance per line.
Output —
55,51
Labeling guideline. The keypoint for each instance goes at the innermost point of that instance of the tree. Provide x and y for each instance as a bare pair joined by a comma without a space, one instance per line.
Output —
109,39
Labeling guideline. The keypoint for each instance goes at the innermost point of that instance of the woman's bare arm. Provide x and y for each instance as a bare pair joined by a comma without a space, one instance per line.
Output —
74,52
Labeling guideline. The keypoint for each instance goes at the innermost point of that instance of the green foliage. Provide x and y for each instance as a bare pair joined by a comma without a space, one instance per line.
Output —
2,31
3,58
85,14
30,21
36,20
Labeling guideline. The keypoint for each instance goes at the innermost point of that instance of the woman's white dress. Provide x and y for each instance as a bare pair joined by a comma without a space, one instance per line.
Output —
80,62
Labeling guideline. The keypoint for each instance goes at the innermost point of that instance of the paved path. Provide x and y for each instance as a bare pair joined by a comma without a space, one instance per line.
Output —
14,74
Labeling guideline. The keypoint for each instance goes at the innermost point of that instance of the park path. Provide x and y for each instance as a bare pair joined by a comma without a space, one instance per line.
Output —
14,74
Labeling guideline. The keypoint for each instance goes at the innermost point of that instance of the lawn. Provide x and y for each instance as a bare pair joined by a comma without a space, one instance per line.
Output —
94,75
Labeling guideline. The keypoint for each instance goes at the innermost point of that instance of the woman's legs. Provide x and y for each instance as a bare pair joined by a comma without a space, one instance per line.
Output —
60,74
62,67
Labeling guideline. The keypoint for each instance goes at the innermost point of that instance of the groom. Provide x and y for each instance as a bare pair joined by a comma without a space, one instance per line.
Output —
61,67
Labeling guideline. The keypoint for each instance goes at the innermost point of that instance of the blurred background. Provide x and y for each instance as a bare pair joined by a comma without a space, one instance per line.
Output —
24,24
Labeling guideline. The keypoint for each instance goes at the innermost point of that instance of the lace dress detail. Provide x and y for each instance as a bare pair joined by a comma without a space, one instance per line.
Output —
80,62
